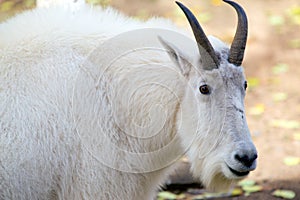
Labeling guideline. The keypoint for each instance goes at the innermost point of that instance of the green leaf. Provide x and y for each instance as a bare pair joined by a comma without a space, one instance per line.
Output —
249,186
236,192
286,124
286,194
280,68
209,195
295,10
294,43
294,14
276,20
166,195
296,136
291,161
204,17
279,96
257,110
216,2
252,188
246,182
213,195
199,197
252,82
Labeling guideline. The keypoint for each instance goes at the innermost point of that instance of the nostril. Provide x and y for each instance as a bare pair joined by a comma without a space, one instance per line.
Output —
241,158
254,157
245,159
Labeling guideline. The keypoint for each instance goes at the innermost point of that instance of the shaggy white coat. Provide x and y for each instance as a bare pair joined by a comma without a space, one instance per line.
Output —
66,135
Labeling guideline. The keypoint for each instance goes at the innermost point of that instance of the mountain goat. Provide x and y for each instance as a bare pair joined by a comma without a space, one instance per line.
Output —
95,105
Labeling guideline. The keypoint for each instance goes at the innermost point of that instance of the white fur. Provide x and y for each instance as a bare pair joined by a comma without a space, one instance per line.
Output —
62,131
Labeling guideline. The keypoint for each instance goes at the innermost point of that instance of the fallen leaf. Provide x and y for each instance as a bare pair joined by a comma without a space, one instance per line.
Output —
199,197
280,68
181,196
295,43
257,109
253,188
209,195
252,82
296,136
212,195
286,194
246,182
216,2
286,124
294,14
249,186
204,17
295,10
236,192
291,161
166,195
274,80
276,20
279,96
296,20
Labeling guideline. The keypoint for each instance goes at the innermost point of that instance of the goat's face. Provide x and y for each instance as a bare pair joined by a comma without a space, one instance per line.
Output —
213,123
213,126
212,120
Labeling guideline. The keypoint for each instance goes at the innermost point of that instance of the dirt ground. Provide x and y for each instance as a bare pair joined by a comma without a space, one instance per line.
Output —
272,67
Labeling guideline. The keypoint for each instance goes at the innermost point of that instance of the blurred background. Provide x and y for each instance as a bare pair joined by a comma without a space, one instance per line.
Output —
272,65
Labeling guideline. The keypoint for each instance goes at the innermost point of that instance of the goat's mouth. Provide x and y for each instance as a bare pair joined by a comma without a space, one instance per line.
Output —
238,173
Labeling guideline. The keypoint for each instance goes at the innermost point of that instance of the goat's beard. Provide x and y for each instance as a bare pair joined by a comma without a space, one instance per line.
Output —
219,183
209,170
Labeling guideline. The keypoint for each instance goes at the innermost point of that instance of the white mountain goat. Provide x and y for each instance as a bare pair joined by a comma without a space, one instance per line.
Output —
88,111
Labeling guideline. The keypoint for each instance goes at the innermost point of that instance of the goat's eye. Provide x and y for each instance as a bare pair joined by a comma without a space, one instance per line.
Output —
245,85
204,89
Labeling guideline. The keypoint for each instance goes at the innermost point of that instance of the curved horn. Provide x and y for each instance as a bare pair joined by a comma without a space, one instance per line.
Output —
238,45
208,55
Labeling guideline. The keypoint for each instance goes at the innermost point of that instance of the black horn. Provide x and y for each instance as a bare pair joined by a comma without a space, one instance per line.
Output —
238,45
208,55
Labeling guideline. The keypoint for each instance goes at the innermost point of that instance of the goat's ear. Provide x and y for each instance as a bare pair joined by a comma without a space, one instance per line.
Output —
177,57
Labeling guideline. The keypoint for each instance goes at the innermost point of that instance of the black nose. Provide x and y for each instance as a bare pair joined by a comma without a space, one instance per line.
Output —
245,159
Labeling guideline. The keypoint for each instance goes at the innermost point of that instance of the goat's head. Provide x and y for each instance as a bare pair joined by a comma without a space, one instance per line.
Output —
212,120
